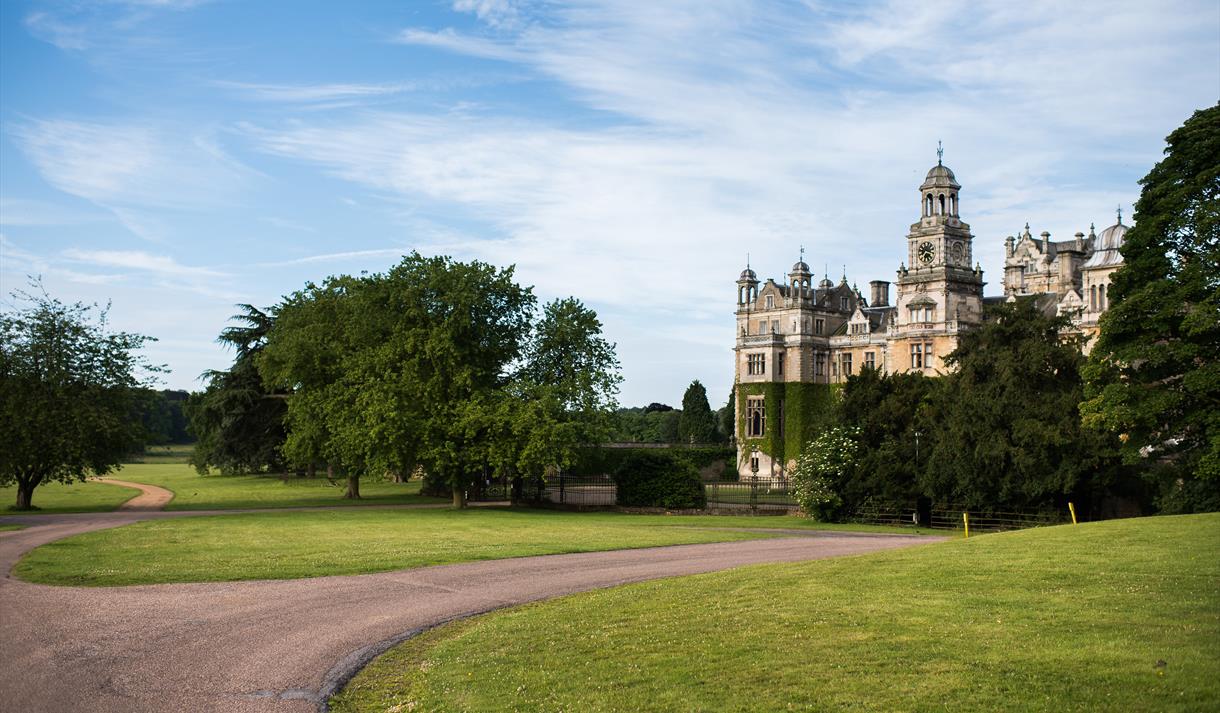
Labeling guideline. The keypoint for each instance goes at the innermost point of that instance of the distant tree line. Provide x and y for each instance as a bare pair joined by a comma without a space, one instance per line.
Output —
696,422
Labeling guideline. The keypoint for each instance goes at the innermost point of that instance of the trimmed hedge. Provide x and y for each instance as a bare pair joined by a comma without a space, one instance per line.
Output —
658,479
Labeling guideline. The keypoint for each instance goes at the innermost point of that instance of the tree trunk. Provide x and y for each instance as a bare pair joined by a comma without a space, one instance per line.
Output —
459,497
311,471
25,491
353,487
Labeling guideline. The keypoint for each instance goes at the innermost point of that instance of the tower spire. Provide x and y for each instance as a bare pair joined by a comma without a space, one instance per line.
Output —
1120,214
940,152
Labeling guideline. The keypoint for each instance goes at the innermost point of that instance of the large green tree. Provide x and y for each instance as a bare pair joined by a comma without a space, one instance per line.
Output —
1154,373
1005,425
69,393
696,424
237,421
438,363
562,398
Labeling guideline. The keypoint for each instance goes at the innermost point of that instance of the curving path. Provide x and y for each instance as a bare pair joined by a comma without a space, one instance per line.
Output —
151,497
287,645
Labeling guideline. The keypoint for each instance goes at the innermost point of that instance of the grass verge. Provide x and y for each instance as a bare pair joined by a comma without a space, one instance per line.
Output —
1121,615
74,497
354,541
223,492
9,528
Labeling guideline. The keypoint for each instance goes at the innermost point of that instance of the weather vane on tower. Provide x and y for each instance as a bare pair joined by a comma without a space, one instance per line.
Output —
940,152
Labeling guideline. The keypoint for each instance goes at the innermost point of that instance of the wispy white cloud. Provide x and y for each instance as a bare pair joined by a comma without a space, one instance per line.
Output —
308,93
135,170
140,261
23,212
340,257
452,41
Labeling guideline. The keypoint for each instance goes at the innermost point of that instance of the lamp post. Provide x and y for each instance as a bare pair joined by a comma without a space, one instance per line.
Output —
917,435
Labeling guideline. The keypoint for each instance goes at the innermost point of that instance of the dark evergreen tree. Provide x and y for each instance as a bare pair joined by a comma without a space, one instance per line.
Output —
1005,425
886,411
237,421
696,424
1154,374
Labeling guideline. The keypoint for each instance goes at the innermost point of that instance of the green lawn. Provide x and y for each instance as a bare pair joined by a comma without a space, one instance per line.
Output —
164,454
354,541
77,497
9,528
216,492
1051,619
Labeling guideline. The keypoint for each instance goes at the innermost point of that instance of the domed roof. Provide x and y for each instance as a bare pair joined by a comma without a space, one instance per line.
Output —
748,274
940,175
800,267
1105,248
1111,238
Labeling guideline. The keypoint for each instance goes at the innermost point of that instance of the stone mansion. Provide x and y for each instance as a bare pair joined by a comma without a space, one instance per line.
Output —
796,332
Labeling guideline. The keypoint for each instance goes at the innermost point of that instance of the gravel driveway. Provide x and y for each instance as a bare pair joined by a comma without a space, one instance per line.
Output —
286,645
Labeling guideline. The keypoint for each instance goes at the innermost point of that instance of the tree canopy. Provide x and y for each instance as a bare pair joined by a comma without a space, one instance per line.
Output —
437,363
70,392
1154,373
1005,421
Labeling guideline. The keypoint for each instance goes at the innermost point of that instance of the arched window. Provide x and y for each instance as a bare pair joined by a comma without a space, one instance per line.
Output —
953,203
1101,297
942,203
1093,298
927,208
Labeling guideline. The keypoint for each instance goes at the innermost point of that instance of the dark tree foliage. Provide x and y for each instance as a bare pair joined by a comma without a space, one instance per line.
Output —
162,416
639,425
696,424
69,393
1007,431
885,410
726,417
658,479
1154,374
655,407
237,422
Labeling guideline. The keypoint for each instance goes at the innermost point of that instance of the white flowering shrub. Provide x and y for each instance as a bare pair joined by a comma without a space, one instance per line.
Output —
824,462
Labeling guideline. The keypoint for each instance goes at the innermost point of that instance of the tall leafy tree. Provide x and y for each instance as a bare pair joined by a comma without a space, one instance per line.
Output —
237,421
400,369
564,393
1154,373
69,393
1007,426
696,424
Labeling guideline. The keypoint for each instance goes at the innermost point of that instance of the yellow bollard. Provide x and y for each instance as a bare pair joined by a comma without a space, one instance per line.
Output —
1072,509
966,522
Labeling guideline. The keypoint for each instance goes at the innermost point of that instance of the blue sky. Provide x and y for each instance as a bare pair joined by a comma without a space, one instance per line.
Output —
178,157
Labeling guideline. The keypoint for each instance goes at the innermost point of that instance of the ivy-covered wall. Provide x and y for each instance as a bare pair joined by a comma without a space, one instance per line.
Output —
807,408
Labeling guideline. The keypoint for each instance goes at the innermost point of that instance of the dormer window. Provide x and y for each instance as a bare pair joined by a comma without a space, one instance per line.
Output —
770,302
844,304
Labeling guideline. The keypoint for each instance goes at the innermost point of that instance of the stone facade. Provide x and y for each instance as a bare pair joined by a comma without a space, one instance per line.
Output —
1076,273
795,335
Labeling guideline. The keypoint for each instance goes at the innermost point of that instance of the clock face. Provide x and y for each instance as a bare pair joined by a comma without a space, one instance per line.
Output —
927,252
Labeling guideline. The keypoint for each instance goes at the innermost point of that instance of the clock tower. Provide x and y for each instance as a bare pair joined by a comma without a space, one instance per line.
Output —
939,293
